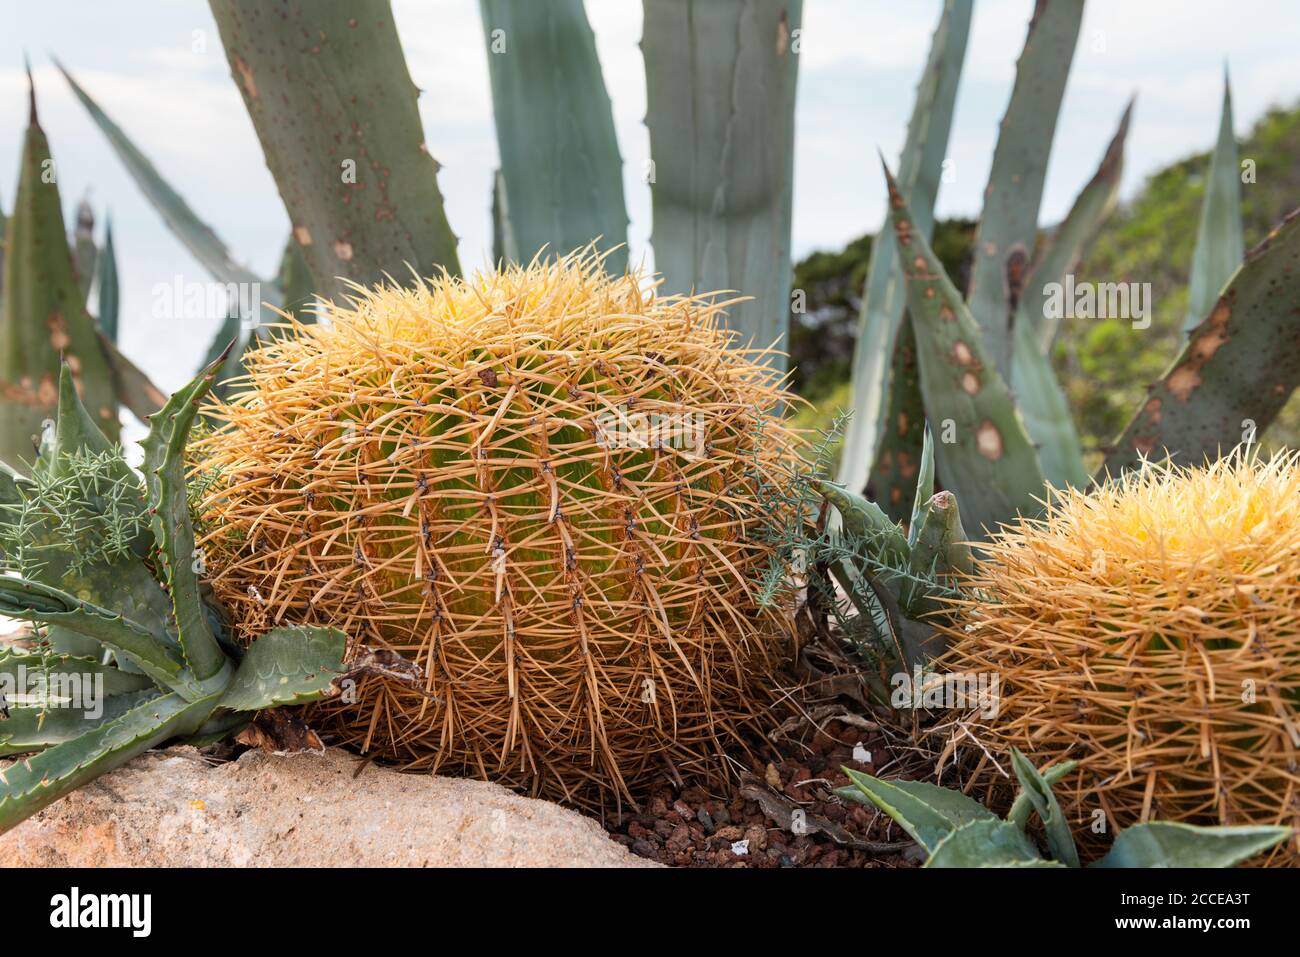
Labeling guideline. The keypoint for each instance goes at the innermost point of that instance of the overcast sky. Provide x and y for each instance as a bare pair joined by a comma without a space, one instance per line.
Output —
159,70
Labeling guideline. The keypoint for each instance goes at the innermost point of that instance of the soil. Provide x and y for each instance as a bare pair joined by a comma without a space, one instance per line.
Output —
782,812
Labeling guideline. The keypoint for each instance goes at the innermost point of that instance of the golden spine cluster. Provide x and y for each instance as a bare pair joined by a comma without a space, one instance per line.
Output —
1150,629
451,471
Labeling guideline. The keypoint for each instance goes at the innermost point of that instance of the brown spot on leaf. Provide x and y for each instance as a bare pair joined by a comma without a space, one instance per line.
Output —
946,313
961,352
47,393
782,34
1183,380
1152,409
59,338
1207,338
896,495
303,235
988,441
906,467
343,250
246,77
902,423
1017,264
970,382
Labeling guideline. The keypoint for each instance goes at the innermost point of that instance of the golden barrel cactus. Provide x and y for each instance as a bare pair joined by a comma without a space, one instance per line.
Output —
1149,629
548,487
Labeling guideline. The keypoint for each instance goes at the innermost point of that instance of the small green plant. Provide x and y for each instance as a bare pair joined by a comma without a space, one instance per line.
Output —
107,566
957,831
883,585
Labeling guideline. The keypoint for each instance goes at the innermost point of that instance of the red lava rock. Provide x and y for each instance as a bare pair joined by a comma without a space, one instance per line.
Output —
680,839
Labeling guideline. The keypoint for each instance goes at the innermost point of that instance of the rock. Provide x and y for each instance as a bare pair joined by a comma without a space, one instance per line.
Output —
172,809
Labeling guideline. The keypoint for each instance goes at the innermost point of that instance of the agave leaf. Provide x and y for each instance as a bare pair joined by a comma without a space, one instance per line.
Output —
341,133
287,665
925,811
989,462
1220,243
987,843
57,669
1233,376
13,485
940,552
37,726
884,295
50,558
33,601
196,235
866,520
1059,839
75,431
555,128
1064,249
1022,805
1046,412
1043,406
924,484
1168,844
164,472
720,92
901,440
44,317
4,225
504,246
1009,223
31,784
108,286
84,251
294,282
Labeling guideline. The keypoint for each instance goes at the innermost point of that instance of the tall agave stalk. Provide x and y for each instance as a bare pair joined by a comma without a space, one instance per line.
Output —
977,366
560,185
720,89
43,318
77,536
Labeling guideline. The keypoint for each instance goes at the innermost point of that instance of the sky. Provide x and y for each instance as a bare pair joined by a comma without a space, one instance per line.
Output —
158,69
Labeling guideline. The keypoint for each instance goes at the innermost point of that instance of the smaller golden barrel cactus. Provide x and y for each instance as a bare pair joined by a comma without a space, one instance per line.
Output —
1150,629
548,487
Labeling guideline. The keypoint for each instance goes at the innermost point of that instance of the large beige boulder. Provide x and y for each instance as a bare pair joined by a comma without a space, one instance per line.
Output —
173,809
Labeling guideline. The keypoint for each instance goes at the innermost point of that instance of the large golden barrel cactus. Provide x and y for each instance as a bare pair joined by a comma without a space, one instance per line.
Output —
548,487
1150,629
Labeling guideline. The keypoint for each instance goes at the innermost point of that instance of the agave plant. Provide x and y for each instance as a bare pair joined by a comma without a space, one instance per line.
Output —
722,190
107,566
957,831
978,366
897,578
